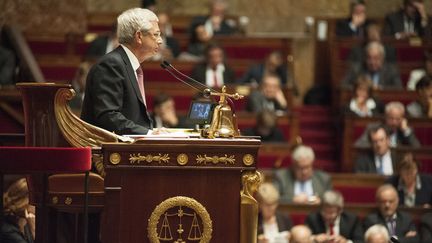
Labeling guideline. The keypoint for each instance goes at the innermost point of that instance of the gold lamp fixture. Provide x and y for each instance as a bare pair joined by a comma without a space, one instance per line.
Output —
224,122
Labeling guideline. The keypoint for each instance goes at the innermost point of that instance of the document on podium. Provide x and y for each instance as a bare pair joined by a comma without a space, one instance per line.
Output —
168,133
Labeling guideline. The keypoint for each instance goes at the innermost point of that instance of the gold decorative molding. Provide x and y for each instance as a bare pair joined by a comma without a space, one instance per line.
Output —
115,158
204,159
138,158
77,132
165,232
97,160
249,207
182,159
68,201
248,159
54,200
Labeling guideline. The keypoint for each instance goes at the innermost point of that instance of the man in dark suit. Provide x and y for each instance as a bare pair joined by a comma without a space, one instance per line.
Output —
383,75
301,183
269,96
355,25
332,222
115,98
379,159
398,223
213,72
102,45
426,228
409,21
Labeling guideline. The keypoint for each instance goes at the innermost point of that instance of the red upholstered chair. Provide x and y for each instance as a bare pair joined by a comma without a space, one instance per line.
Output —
44,161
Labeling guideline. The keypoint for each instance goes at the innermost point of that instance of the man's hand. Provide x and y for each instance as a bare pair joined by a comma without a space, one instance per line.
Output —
358,19
411,233
404,125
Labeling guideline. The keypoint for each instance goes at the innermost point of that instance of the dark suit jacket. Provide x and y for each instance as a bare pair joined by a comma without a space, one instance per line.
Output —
256,73
365,163
225,28
284,182
7,66
343,29
10,232
389,77
199,73
284,223
276,134
394,23
112,99
426,228
349,225
173,45
97,47
422,196
404,224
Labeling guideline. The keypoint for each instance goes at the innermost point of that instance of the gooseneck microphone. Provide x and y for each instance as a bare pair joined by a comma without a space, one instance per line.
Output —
190,81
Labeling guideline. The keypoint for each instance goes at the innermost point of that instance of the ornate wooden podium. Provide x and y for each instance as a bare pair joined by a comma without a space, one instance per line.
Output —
180,190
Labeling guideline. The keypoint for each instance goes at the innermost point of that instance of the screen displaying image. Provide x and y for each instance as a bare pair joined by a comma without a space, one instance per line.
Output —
200,111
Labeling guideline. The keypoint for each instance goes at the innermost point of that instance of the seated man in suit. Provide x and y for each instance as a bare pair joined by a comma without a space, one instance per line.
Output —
332,223
376,234
422,107
426,228
266,127
383,75
398,223
213,72
411,20
269,96
272,225
301,183
164,112
396,124
414,188
379,159
355,25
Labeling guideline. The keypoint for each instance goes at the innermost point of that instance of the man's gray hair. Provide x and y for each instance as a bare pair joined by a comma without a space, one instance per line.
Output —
394,105
377,229
133,20
303,151
375,45
333,199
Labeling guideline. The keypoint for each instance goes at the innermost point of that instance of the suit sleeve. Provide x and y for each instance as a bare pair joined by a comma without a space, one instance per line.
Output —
357,232
108,87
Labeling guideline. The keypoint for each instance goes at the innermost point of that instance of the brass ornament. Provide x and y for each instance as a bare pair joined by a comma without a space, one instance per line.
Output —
138,158
182,159
249,207
248,159
97,160
179,201
68,201
115,158
204,159
54,200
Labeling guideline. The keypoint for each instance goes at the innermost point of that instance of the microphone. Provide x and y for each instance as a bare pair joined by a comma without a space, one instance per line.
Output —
394,239
192,82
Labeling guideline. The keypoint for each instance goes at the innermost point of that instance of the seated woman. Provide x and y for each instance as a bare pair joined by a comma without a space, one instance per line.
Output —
19,219
272,226
362,103
414,188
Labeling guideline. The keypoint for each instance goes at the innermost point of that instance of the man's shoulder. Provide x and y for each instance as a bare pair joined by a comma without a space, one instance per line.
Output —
321,175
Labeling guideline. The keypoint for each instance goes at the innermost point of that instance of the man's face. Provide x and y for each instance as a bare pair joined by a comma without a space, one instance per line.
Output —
394,118
408,176
410,9
380,142
374,60
149,42
303,169
268,210
330,213
376,238
426,94
215,57
270,87
388,202
359,9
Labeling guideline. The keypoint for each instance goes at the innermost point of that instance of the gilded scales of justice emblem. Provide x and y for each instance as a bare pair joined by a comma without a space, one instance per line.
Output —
179,220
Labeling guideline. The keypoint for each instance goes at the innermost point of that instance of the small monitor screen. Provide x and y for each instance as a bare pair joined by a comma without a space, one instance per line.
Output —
201,112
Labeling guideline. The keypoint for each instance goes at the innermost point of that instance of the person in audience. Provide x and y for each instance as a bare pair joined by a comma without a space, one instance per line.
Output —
198,43
213,72
18,224
273,64
426,228
332,223
357,54
363,104
397,125
170,48
422,107
216,22
378,159
300,234
355,25
410,20
377,234
398,224
272,225
102,45
269,96
383,75
164,113
414,188
418,74
302,183
266,127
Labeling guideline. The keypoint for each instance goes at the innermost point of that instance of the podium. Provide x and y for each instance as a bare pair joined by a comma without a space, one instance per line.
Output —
180,190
